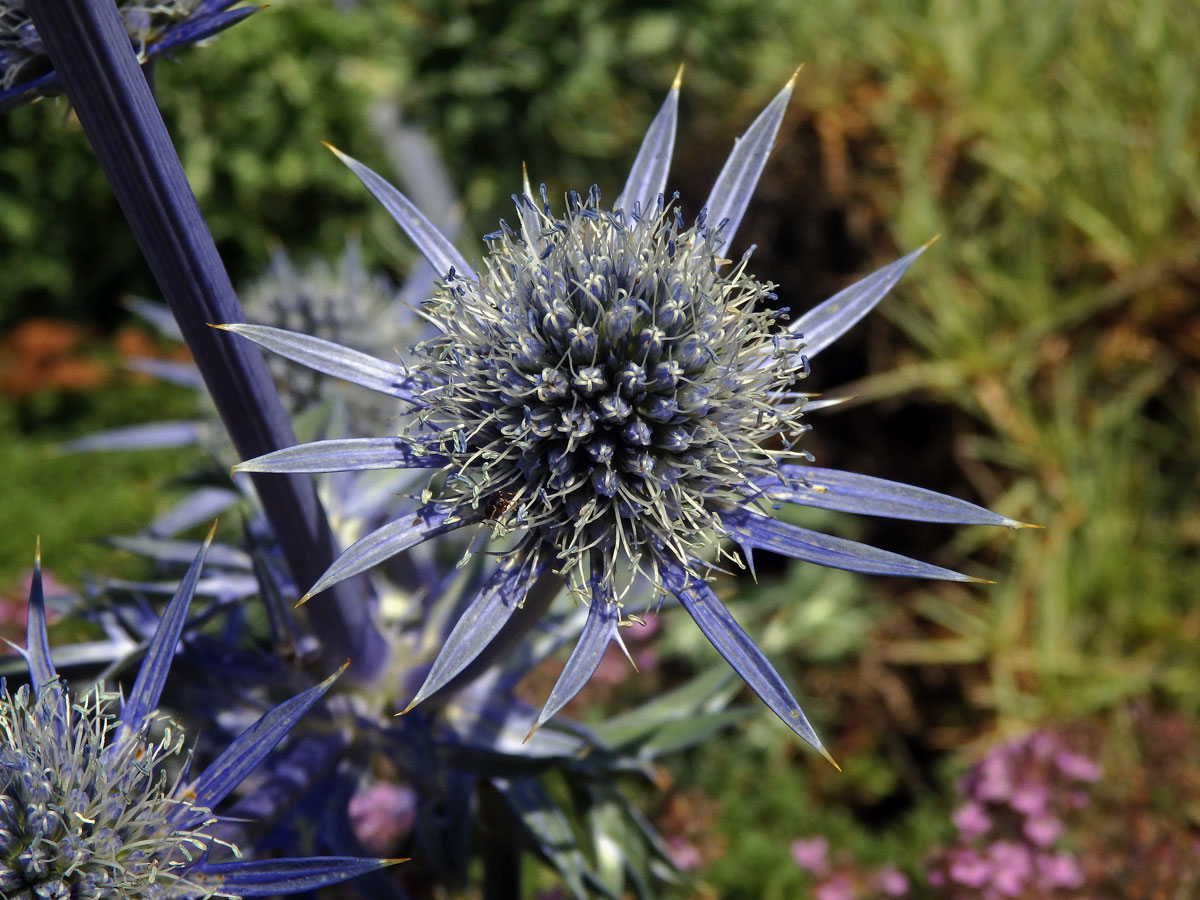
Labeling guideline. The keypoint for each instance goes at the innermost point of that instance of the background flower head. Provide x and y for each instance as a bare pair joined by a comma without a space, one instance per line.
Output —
96,794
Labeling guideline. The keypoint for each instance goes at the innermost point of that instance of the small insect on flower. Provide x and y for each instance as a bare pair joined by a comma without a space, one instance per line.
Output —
611,388
97,800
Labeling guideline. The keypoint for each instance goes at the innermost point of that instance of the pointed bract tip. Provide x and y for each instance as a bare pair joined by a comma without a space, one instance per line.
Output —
395,862
334,150
795,75
303,600
212,532
405,710
1029,525
219,327
625,650
37,552
929,243
678,78
974,580
832,761
535,727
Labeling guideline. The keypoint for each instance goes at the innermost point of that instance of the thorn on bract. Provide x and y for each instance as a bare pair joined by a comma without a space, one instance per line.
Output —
832,761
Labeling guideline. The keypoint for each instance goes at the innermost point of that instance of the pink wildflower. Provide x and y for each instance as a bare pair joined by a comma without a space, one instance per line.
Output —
382,814
811,855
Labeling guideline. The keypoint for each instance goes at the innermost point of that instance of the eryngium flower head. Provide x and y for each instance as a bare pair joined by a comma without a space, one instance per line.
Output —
609,387
85,816
153,26
604,386
97,800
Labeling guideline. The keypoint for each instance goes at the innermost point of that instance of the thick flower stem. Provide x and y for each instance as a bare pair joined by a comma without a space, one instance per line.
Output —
501,849
98,68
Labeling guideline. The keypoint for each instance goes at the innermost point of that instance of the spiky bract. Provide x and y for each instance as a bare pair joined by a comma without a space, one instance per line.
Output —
22,55
153,27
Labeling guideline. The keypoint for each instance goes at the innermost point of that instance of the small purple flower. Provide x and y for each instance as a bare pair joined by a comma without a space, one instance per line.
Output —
1059,870
1030,798
645,628
684,853
382,815
812,855
1042,745
1076,766
646,659
1078,799
968,868
992,780
891,882
1012,867
836,888
971,820
1042,830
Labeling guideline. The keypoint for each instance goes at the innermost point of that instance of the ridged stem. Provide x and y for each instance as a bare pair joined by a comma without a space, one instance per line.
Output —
96,63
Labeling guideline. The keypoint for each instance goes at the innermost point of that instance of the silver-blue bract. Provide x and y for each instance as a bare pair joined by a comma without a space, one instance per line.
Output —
154,27
608,389
97,798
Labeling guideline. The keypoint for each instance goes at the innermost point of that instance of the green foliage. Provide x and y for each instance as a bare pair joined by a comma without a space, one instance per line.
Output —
565,87
1058,151
69,499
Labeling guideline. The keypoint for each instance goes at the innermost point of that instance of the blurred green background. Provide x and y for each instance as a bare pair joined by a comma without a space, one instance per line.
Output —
1041,358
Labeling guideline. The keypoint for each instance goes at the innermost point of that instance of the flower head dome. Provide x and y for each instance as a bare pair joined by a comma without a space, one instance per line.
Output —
609,390
96,795
605,385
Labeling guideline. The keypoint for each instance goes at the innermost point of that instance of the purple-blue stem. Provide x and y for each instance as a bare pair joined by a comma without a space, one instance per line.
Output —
99,71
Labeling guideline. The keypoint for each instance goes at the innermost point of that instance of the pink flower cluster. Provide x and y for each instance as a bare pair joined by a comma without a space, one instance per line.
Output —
1010,825
1010,828
843,882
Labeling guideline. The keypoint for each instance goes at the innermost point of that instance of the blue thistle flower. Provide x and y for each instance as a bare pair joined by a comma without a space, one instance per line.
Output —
97,798
609,391
154,27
